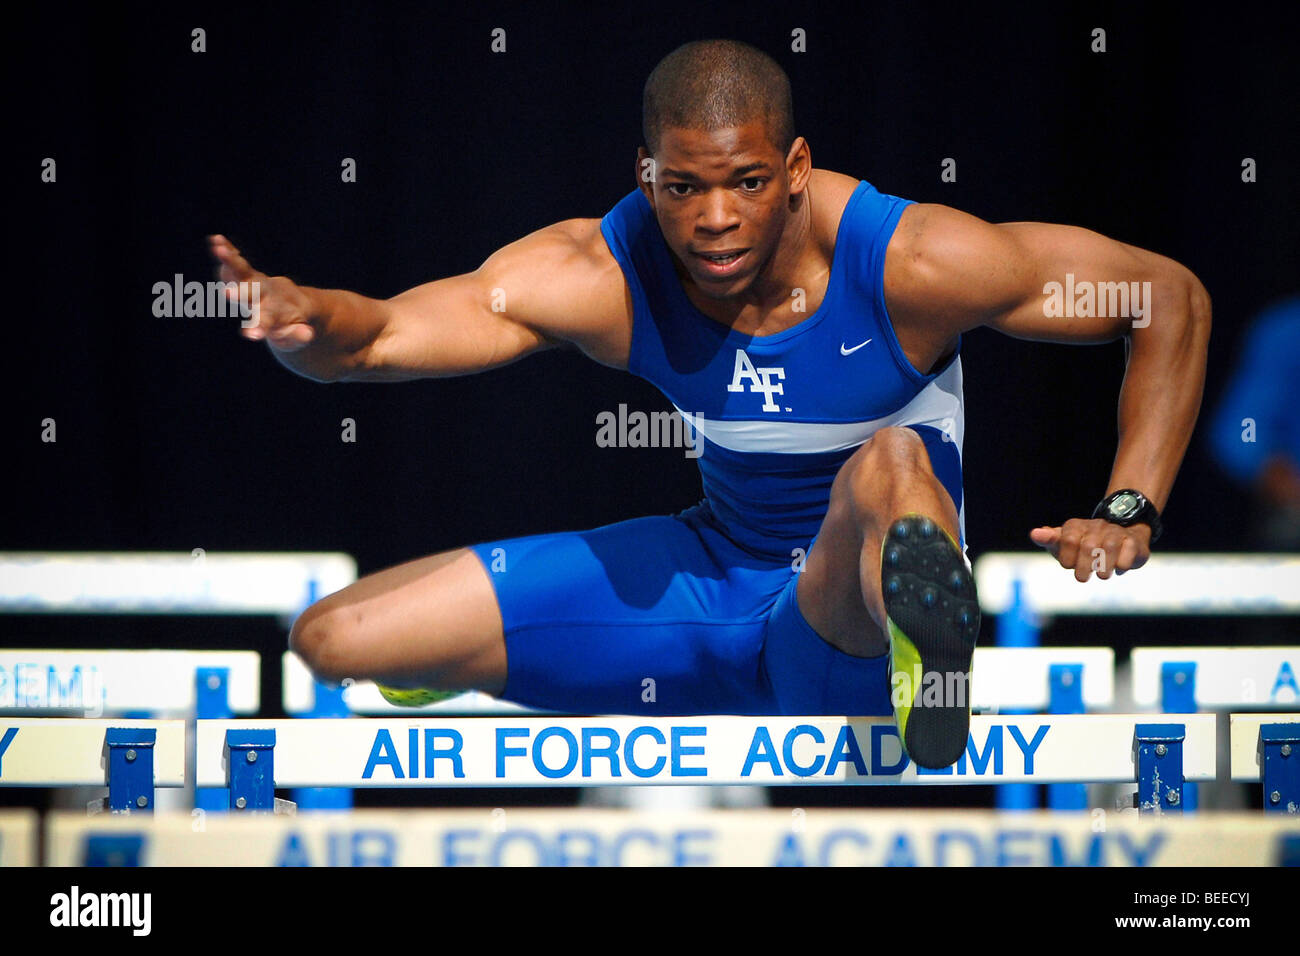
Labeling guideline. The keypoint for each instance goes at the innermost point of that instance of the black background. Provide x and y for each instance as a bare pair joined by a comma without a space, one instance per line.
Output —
176,434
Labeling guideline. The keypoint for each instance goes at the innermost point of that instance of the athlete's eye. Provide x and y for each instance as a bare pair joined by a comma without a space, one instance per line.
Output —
757,183
674,186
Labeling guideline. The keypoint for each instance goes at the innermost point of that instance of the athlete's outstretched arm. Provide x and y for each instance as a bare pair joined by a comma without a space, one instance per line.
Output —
953,272
551,288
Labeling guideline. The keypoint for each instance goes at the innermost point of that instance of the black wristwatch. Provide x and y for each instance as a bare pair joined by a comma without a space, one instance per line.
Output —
1128,507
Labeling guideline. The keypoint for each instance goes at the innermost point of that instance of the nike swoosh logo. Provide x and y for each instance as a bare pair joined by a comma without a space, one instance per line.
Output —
844,351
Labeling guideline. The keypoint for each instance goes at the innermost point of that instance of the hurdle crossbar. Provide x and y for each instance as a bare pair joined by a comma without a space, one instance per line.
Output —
278,583
132,756
596,751
1188,583
730,838
1216,677
94,682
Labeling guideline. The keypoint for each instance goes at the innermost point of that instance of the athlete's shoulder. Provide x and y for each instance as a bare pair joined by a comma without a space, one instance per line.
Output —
579,238
592,307
872,211
832,182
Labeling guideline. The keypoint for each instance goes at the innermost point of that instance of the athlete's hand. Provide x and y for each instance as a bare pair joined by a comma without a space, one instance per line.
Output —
1084,545
280,309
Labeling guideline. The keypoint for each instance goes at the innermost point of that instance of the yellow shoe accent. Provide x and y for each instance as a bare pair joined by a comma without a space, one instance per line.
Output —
904,659
415,697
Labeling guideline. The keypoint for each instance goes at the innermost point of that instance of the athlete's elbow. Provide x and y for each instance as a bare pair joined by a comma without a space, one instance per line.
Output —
1179,309
1195,308
1200,308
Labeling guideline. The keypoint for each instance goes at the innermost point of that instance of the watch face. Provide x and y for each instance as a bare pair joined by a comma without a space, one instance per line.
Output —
1123,507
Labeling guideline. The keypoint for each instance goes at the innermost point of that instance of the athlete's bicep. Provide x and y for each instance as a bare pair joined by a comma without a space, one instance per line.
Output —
1034,281
533,294
1085,287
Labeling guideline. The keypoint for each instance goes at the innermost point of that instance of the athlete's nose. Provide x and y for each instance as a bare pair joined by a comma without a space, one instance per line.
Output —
716,215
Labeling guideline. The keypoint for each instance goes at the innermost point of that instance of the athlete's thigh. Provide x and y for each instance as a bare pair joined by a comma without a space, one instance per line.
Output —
643,616
431,622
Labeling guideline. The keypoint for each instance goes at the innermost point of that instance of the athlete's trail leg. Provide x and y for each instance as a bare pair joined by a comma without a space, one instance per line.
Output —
430,623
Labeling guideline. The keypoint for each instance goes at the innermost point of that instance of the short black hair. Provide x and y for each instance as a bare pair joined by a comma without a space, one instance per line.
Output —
715,84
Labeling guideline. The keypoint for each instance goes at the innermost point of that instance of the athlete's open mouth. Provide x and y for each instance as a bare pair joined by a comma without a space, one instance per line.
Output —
721,263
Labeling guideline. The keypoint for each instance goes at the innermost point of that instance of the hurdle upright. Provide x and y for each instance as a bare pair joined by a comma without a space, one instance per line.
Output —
1266,749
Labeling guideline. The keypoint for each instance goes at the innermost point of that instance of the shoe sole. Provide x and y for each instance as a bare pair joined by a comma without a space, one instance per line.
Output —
934,621
416,696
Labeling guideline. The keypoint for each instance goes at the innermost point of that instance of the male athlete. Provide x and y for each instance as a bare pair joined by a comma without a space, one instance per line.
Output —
809,327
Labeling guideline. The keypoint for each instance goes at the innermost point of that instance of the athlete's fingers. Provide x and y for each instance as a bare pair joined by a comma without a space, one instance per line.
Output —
1068,547
1084,557
234,267
1110,554
254,325
1047,538
1128,555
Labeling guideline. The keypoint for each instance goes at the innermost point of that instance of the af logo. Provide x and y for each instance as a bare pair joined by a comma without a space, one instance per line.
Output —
760,380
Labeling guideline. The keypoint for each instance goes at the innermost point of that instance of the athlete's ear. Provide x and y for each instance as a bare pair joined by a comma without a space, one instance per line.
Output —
798,165
645,174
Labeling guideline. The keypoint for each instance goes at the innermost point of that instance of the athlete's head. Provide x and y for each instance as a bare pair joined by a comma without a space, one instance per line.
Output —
721,165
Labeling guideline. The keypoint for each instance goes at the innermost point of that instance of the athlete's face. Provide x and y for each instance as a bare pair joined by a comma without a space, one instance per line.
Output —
722,198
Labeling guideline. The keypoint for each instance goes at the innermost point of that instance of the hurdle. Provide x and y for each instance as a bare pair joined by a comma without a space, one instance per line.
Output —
815,837
1171,584
1184,679
18,833
254,757
93,682
1266,750
242,583
1027,588
276,583
130,757
135,683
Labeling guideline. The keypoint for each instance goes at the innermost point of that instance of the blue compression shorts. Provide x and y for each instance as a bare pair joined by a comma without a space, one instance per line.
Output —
665,615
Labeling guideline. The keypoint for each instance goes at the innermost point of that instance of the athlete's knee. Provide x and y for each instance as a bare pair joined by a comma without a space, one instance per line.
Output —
896,449
892,456
322,636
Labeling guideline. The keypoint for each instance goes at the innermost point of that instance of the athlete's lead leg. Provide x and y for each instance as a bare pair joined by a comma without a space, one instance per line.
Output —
887,507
